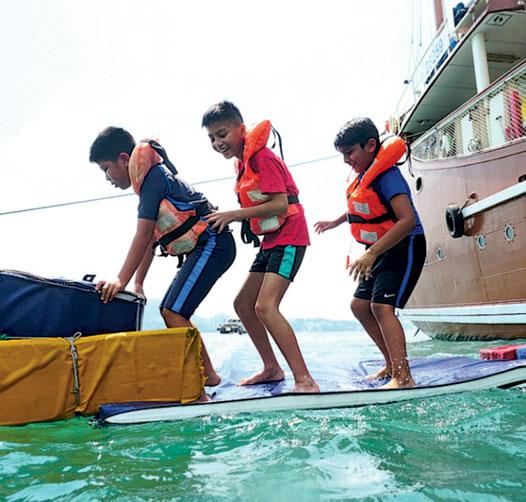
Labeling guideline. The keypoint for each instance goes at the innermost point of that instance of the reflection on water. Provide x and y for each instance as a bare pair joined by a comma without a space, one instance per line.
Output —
468,446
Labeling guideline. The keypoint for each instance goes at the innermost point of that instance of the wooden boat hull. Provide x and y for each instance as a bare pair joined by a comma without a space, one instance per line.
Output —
473,286
465,115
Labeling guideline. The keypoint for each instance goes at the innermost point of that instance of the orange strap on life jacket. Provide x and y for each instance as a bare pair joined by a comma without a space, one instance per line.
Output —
369,218
142,159
248,182
178,226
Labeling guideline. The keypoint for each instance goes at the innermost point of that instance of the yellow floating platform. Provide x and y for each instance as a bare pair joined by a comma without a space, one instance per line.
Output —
44,379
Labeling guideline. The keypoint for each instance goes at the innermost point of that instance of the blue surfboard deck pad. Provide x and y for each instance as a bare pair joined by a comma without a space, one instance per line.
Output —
433,376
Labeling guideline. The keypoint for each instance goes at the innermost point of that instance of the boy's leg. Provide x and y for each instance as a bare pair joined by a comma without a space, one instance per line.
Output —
244,305
200,271
362,311
173,320
394,337
267,308
396,277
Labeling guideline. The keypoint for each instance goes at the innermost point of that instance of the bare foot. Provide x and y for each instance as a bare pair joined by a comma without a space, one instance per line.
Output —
265,376
212,380
306,386
203,398
399,384
380,375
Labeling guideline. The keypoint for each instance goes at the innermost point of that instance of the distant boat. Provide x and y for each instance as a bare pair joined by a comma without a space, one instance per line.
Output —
232,326
466,121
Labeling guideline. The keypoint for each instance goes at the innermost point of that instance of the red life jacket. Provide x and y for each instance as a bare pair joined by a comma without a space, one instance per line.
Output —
178,226
369,218
248,185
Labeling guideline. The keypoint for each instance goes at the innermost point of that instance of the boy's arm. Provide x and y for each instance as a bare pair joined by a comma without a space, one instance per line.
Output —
406,221
276,205
144,266
322,226
138,247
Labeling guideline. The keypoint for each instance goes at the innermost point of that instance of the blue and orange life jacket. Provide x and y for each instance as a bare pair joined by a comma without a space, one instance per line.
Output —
178,226
370,219
248,185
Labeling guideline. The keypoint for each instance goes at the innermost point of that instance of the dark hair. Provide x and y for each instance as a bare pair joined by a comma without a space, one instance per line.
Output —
225,111
110,143
358,130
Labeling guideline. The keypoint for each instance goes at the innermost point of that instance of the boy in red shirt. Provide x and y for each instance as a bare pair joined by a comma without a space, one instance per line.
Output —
269,199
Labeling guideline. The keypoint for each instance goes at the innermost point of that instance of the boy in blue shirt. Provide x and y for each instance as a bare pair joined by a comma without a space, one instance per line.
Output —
125,163
383,217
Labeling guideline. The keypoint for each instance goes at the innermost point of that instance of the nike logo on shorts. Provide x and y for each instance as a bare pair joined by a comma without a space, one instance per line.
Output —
389,296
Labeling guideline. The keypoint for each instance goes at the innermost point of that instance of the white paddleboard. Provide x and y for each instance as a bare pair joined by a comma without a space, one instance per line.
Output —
479,375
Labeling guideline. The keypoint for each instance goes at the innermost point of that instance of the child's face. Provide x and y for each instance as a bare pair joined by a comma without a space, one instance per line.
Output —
117,171
228,139
358,157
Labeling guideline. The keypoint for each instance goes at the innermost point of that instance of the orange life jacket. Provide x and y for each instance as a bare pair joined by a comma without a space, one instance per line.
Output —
178,226
369,218
248,185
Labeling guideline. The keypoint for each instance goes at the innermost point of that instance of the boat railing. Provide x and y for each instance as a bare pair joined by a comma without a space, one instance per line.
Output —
439,50
493,119
424,71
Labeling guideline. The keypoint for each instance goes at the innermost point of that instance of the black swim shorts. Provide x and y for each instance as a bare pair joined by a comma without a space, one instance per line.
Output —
395,273
281,260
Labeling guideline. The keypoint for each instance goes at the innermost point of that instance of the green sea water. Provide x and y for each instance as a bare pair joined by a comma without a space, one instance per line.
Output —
468,446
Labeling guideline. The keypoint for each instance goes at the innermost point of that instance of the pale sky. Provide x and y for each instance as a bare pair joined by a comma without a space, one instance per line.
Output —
71,68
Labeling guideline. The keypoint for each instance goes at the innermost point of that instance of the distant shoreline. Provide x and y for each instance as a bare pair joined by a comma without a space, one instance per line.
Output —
153,320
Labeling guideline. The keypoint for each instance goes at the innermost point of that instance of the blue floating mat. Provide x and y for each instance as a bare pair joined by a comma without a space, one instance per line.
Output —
340,388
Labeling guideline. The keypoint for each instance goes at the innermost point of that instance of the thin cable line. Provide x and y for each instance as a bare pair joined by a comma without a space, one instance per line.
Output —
315,160
109,197
62,204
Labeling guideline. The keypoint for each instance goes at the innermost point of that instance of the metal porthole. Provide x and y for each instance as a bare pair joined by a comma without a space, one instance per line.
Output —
481,241
440,254
509,233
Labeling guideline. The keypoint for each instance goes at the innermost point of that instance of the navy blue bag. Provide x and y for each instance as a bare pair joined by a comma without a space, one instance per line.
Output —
32,306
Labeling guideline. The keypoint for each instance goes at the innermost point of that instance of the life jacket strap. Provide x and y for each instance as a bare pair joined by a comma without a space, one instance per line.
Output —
162,152
354,218
179,231
293,199
162,252
277,139
173,235
247,236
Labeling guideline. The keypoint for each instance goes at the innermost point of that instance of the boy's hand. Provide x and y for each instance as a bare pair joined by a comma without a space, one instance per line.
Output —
138,288
322,226
108,290
218,221
362,266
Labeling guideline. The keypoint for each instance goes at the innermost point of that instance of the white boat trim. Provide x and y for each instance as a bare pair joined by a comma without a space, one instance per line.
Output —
495,199
344,399
509,313
511,319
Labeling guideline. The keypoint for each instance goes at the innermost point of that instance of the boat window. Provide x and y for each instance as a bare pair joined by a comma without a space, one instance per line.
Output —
509,233
481,241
